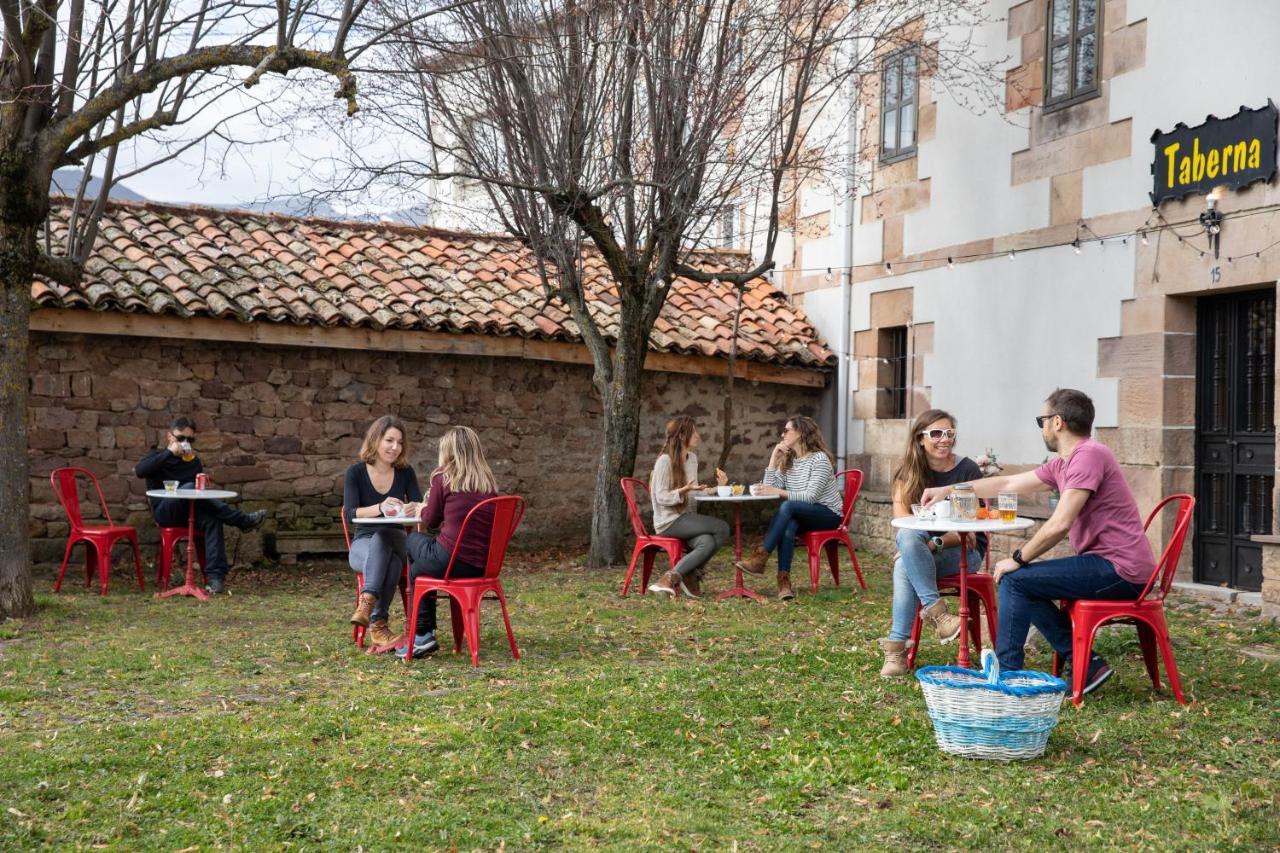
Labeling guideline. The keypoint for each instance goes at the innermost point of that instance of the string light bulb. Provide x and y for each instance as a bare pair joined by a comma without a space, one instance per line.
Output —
888,267
951,264
828,275
1142,235
1011,254
1075,244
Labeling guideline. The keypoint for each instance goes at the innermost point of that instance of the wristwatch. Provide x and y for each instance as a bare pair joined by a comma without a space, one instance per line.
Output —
938,544
1017,558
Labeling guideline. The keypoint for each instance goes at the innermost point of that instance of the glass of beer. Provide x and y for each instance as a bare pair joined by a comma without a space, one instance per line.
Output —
1008,503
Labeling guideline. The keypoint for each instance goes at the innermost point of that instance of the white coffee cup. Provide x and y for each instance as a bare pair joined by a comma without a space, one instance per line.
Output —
755,488
724,491
942,509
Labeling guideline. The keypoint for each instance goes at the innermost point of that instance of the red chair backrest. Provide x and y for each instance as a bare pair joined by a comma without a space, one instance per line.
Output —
1167,565
852,485
507,511
631,485
346,532
63,481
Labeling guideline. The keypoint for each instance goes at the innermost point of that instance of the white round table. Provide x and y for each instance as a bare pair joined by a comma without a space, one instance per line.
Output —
383,519
738,590
191,496
965,529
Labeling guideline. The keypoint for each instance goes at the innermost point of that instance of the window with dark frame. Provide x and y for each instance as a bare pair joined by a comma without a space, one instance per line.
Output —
729,226
898,101
1073,32
892,400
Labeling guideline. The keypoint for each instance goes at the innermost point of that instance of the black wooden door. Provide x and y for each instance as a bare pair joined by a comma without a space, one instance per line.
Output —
1235,435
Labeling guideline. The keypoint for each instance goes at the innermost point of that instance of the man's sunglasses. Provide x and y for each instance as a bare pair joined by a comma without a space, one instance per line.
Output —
189,439
1041,419
938,434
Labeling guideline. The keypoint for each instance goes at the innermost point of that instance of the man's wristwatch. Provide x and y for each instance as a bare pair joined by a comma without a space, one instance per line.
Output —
1017,558
938,544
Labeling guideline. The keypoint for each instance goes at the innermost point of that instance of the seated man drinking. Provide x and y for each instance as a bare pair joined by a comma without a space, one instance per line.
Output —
1113,559
177,460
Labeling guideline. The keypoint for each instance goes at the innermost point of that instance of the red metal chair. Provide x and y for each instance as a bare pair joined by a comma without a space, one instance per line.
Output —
982,593
647,545
98,539
817,541
170,538
1146,612
467,593
357,631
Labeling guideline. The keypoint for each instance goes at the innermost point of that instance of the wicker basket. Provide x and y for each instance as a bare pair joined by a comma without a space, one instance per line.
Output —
988,714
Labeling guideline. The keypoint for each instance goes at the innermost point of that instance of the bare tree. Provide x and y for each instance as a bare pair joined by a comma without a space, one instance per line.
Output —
618,132
79,78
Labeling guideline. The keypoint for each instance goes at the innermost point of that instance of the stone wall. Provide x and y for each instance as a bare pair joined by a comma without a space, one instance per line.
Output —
280,425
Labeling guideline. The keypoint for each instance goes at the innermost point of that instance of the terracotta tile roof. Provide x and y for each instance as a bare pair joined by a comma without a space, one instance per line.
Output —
191,261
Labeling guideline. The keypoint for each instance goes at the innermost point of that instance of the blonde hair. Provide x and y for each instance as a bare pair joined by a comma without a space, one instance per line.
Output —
811,440
462,462
913,469
372,438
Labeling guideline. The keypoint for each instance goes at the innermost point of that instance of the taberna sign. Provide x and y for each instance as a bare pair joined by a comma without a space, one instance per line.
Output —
1232,152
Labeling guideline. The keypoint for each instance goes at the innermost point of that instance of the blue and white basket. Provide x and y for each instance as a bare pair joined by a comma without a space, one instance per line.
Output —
990,715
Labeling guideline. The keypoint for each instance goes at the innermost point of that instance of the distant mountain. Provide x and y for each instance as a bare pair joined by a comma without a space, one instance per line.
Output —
67,182
303,206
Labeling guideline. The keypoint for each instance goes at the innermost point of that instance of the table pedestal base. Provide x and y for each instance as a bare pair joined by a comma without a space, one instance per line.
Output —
186,589
738,590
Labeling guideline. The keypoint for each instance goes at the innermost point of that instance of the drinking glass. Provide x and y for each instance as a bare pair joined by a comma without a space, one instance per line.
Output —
171,485
1008,502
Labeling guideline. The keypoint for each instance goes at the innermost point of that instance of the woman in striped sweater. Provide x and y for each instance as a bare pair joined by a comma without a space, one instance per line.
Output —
801,471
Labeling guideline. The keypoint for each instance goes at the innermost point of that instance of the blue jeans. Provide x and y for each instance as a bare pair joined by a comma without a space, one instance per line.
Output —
792,518
915,577
427,557
1030,595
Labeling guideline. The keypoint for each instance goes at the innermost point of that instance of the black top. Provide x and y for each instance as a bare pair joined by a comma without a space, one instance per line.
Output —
966,471
160,465
358,491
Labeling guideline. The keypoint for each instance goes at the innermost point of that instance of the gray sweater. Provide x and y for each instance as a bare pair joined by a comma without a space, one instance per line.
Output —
667,505
810,479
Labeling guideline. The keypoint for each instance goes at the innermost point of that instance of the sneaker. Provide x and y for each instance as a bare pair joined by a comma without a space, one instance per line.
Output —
215,584
255,519
691,586
423,645
1099,672
668,584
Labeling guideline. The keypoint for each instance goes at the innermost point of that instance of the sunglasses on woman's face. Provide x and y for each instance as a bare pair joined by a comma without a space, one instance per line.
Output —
938,434
190,439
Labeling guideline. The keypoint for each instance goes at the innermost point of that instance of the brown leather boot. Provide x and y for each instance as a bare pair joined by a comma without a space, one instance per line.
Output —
895,659
691,585
380,633
944,624
755,563
364,607
668,584
785,592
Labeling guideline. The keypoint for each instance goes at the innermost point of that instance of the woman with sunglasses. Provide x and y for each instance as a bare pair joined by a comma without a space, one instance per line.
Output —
801,471
923,557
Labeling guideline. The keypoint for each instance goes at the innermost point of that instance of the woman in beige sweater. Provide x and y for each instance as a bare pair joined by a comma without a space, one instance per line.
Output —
674,478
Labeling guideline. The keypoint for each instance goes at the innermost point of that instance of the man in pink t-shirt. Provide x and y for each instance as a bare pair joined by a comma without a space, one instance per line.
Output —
1113,558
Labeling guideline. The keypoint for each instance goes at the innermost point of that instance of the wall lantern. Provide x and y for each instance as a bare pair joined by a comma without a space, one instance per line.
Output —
1211,218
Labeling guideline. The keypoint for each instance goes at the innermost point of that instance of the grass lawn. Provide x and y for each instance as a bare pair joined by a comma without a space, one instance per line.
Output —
252,722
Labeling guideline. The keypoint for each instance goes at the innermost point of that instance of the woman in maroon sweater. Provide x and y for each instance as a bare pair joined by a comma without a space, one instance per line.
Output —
461,480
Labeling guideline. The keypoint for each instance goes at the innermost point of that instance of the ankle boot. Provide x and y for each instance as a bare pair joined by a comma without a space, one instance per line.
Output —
755,563
364,607
946,626
785,592
895,659
380,633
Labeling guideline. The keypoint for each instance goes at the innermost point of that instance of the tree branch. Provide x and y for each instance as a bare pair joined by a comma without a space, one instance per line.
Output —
62,270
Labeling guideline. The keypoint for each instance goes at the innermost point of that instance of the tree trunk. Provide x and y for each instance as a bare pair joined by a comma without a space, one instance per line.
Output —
621,399
726,444
17,267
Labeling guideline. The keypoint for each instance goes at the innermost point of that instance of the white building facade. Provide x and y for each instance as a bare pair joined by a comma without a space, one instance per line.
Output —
999,255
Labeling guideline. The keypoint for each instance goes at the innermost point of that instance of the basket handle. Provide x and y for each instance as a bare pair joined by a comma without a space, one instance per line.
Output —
991,666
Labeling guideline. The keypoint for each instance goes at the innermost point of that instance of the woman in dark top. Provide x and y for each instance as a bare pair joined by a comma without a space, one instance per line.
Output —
924,557
381,483
461,480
